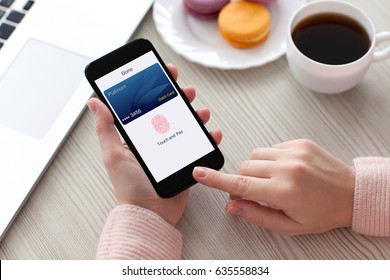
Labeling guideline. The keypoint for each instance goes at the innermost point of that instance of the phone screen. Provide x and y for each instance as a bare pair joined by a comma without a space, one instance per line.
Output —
154,116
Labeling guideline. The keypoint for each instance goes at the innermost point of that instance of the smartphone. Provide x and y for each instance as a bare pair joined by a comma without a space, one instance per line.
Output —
153,116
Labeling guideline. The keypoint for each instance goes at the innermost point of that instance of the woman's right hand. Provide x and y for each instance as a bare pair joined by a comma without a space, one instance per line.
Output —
302,187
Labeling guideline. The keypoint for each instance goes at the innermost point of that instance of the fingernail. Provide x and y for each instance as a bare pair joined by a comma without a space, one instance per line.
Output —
91,106
201,172
234,210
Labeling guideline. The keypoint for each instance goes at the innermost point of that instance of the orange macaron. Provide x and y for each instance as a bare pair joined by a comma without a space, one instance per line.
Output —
244,24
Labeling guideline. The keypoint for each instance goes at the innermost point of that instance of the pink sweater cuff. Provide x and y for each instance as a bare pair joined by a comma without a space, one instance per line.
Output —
371,210
132,232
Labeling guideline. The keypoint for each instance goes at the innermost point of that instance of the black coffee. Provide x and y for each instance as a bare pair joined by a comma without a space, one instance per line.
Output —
331,38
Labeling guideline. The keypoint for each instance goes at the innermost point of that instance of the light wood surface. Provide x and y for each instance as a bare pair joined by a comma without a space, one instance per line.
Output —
257,107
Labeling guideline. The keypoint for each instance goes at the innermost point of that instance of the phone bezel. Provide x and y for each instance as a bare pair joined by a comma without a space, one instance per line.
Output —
182,179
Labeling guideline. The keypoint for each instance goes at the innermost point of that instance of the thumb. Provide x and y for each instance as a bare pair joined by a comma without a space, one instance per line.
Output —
263,216
104,122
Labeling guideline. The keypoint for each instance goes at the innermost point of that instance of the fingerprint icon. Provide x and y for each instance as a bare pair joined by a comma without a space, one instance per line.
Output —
160,124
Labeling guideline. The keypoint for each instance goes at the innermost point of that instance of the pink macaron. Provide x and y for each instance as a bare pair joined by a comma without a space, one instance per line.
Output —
205,9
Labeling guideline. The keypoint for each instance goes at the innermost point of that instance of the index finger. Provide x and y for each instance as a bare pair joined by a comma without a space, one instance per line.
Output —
189,91
256,189
173,69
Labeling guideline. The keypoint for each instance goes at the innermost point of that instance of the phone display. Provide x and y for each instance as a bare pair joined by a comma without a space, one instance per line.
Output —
153,116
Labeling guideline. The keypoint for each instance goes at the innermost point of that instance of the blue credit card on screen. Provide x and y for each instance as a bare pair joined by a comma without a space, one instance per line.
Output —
140,93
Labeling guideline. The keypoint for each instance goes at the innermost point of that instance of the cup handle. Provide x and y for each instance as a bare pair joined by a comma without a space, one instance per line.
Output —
385,53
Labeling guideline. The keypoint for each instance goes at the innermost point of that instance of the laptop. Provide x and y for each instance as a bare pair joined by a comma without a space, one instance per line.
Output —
44,48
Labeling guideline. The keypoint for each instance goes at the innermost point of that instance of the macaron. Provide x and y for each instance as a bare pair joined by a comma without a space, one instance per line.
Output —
261,1
205,9
244,24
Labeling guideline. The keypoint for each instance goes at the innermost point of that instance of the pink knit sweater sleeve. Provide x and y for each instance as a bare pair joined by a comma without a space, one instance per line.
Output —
132,232
371,210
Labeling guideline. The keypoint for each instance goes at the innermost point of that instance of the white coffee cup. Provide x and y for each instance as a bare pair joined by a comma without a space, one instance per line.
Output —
327,78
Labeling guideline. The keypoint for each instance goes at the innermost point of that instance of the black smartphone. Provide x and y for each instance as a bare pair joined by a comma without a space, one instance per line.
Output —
153,116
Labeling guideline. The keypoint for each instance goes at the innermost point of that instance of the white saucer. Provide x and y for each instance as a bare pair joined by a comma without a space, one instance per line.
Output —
200,41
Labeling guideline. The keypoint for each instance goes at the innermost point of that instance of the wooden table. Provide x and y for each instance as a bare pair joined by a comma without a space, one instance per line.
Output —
257,107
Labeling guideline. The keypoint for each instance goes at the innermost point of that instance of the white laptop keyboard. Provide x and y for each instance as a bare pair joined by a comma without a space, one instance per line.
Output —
12,13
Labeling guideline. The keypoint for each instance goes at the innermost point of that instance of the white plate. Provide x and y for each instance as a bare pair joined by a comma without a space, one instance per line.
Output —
200,41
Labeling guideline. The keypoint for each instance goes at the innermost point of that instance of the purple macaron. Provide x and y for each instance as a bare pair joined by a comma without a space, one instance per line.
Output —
205,9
